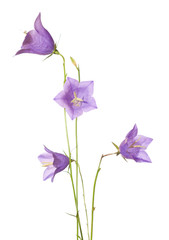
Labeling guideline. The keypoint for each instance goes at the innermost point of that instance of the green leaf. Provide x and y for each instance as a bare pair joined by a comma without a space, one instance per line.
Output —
71,215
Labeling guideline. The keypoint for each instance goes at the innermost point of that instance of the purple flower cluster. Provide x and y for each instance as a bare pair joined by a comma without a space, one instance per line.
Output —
76,97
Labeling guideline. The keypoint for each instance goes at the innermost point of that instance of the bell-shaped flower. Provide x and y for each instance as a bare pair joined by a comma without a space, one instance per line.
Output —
54,163
76,97
38,41
134,146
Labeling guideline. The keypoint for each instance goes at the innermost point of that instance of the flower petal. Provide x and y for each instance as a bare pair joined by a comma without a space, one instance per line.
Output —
61,99
56,171
143,141
89,105
60,160
45,157
142,156
133,132
85,89
42,31
124,150
71,86
49,172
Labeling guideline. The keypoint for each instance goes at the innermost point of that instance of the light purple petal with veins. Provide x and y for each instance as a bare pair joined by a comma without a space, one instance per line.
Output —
133,132
143,141
49,172
45,157
142,156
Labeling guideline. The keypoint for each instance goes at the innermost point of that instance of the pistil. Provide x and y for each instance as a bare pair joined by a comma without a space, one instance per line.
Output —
76,101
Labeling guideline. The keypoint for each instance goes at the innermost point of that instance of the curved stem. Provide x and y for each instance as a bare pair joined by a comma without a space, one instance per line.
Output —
94,188
64,69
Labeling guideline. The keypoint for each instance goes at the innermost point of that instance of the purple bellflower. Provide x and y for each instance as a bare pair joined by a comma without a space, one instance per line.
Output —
134,146
76,97
54,163
38,41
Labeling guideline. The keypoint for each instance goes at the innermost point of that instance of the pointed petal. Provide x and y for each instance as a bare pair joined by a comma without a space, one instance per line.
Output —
49,172
42,31
142,156
76,112
133,132
143,141
85,89
61,99
88,105
70,86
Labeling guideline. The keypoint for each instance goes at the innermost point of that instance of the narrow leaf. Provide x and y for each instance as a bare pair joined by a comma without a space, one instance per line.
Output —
71,215
115,146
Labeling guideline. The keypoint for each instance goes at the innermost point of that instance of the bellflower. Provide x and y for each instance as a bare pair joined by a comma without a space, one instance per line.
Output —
54,163
76,97
134,146
38,41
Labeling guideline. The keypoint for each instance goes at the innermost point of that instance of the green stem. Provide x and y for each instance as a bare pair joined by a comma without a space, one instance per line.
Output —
64,69
94,188
77,173
80,173
71,176
70,164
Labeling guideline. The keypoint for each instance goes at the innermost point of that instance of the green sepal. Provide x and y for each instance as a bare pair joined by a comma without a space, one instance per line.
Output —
115,146
124,159
48,56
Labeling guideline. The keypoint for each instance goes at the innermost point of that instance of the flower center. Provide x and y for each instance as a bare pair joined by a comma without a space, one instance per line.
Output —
76,101
46,164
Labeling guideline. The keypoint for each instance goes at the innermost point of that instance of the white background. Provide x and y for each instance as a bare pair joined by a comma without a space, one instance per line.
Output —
123,46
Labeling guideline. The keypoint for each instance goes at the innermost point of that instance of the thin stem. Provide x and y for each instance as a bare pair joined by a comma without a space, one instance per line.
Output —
78,69
80,173
94,188
77,173
64,69
71,176
70,164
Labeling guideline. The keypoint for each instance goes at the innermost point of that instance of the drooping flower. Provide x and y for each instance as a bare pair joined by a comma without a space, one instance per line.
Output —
76,97
134,146
54,163
38,41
